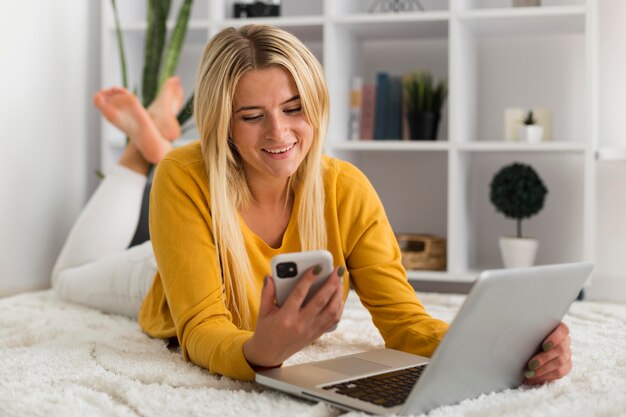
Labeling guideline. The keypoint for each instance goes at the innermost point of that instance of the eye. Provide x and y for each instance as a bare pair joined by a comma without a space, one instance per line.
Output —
293,110
251,118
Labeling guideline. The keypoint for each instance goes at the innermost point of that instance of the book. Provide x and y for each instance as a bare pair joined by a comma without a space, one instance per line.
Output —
382,95
368,111
356,93
394,110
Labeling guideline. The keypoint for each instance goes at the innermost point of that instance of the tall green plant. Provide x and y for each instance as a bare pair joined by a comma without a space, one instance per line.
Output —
421,94
155,70
153,49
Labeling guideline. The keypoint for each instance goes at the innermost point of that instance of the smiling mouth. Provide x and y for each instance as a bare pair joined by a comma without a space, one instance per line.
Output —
280,150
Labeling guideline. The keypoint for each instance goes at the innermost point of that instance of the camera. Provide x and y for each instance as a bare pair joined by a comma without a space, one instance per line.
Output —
256,9
286,270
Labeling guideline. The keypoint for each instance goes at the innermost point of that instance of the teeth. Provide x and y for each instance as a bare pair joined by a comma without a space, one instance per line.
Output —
277,151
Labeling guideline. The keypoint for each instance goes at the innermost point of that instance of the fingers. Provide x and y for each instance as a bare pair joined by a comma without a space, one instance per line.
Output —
556,360
321,299
268,295
298,294
334,308
556,337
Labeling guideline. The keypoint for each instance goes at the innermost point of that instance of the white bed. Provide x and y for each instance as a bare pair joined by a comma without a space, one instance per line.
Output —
59,359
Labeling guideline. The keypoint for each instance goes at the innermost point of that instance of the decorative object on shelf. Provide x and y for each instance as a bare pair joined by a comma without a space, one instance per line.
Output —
423,101
388,107
530,131
526,3
386,6
515,129
356,104
267,8
518,192
421,252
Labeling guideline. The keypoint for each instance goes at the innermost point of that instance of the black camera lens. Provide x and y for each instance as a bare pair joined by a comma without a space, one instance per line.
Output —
286,270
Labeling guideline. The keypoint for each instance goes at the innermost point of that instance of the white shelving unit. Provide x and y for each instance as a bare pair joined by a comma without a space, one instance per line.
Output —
493,55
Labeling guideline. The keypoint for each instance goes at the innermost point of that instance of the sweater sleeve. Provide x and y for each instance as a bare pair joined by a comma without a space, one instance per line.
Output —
373,260
182,238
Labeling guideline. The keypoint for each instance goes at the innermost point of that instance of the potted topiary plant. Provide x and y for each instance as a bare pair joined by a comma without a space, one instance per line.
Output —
518,192
423,101
530,131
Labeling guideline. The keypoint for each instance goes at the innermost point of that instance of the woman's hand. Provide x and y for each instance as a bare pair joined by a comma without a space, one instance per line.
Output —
554,362
282,331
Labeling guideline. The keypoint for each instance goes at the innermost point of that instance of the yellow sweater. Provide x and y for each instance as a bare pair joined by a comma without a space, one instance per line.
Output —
186,298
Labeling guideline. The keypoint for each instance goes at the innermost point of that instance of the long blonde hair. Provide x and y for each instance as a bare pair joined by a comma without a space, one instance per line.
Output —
227,56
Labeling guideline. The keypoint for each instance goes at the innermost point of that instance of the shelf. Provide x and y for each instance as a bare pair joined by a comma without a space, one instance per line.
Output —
492,146
141,26
611,154
520,147
197,33
275,21
307,29
391,145
441,276
396,26
525,21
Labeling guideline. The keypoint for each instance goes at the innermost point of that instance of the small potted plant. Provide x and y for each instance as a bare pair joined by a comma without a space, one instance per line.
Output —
423,101
530,131
518,192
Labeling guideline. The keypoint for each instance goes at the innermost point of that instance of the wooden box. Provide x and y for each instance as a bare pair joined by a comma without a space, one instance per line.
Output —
421,252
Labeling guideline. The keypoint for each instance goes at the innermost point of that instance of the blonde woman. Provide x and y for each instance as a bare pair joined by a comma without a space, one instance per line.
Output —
257,185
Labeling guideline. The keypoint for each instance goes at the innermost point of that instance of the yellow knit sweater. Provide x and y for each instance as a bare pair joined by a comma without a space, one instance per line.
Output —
186,299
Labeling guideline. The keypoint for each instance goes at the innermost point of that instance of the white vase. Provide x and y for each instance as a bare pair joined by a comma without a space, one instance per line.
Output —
518,252
531,133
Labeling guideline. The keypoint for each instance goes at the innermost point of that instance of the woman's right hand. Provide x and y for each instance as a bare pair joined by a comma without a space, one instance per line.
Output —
282,331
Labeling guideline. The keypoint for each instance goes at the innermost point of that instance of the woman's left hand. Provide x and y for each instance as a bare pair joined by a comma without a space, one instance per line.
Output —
554,362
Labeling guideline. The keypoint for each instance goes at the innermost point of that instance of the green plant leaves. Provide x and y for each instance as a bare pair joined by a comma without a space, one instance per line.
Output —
518,192
421,95
186,112
120,44
177,39
158,11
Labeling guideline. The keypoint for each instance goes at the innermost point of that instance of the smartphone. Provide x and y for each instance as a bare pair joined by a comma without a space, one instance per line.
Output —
288,268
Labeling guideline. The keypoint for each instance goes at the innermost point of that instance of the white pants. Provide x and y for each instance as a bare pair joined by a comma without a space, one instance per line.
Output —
95,267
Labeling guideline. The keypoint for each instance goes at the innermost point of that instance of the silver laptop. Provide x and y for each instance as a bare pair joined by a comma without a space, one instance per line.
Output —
505,318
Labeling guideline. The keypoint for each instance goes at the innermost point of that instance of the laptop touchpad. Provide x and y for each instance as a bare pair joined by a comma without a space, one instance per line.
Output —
350,366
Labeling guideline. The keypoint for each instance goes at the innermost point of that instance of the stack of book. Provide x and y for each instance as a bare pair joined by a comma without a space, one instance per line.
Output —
376,111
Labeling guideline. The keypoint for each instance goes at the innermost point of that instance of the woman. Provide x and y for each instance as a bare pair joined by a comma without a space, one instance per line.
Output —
257,185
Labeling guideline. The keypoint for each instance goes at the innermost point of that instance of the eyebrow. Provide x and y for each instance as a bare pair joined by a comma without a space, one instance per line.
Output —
294,98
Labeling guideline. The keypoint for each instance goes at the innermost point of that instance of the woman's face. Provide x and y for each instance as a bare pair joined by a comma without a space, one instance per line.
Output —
268,125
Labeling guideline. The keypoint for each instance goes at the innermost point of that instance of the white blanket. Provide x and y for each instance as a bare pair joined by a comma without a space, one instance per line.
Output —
59,359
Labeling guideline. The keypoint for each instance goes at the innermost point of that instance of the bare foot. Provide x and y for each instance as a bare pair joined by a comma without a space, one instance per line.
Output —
166,106
124,110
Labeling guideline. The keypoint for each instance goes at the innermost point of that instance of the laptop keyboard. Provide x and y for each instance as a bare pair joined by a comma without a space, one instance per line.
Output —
386,390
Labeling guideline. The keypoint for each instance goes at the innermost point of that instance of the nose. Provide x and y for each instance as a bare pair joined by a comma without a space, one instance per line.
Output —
275,126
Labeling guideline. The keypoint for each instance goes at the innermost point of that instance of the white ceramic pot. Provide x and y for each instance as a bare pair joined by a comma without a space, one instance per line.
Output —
518,252
531,133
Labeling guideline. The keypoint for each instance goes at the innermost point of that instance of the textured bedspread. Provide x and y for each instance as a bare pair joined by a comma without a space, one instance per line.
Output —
59,359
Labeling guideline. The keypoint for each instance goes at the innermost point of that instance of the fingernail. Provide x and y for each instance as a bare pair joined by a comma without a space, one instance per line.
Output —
529,374
341,271
533,365
547,346
317,270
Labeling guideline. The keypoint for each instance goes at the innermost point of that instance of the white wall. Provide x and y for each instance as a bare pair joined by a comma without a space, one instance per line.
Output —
49,55
610,272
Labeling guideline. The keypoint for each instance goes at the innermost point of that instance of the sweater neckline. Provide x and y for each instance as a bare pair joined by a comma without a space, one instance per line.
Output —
288,230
